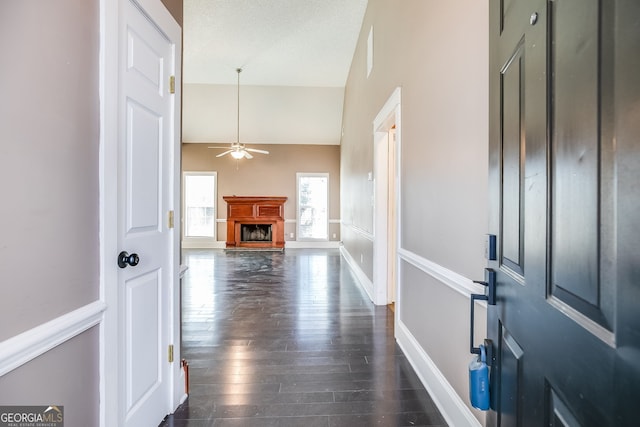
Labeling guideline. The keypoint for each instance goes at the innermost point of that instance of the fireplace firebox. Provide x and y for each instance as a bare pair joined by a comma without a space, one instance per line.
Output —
255,232
255,222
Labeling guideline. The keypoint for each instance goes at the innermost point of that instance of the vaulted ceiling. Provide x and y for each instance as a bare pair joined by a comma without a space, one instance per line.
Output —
295,56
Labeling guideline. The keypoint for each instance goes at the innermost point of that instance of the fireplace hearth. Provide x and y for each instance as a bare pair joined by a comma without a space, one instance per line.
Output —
255,222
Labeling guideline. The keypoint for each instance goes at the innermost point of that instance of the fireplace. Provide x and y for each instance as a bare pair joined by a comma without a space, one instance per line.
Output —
255,232
255,222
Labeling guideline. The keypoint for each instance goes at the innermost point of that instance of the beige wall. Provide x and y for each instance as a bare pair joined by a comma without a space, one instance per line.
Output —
268,114
175,8
49,250
437,52
50,131
268,175
68,375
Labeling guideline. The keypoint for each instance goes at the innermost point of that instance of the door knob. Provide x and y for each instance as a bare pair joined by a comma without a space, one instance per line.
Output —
124,258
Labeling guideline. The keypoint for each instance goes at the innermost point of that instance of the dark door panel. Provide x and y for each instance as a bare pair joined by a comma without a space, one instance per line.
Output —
564,174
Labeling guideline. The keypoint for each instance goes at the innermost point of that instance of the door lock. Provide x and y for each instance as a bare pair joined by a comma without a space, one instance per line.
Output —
489,297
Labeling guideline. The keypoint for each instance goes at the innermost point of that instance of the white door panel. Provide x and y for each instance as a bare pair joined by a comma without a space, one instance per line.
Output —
143,363
143,206
144,193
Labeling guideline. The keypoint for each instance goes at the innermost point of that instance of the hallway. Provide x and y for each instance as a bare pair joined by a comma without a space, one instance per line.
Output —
289,339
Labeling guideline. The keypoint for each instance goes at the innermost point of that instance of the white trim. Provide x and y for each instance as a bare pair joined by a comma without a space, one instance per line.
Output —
183,398
305,244
451,406
294,221
388,118
450,278
204,244
20,349
108,84
221,220
292,244
183,204
362,278
388,109
360,231
198,242
328,208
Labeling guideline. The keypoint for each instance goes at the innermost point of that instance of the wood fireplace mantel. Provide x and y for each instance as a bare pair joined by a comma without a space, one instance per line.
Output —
244,210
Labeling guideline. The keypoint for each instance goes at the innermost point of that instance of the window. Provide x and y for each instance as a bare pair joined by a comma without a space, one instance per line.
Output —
199,204
313,211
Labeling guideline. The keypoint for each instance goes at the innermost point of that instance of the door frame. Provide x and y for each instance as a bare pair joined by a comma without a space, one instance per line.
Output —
388,118
111,412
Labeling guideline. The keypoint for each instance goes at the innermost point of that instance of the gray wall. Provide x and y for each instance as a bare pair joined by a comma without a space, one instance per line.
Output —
49,122
437,52
49,249
67,375
273,174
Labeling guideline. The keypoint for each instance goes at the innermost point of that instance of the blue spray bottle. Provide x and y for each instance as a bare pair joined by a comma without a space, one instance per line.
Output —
479,381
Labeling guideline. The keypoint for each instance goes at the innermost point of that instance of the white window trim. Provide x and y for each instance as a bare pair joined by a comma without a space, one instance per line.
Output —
298,222
198,241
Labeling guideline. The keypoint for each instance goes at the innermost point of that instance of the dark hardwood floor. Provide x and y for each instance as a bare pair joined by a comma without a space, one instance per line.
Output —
289,339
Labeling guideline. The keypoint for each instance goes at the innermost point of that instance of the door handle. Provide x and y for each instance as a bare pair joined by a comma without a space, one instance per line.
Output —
489,296
124,258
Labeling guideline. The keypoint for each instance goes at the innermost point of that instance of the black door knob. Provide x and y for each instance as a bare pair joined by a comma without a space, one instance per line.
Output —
124,258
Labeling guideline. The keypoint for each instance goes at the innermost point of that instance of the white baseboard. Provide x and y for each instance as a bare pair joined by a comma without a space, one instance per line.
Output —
20,349
183,398
294,244
362,278
453,409
220,244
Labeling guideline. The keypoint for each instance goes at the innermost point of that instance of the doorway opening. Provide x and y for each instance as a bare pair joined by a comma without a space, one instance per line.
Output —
386,153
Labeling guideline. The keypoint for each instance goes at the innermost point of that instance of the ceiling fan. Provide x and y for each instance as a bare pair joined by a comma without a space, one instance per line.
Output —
238,150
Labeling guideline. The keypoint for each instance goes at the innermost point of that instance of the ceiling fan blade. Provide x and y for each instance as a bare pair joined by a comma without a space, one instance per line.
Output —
222,154
257,151
223,148
247,155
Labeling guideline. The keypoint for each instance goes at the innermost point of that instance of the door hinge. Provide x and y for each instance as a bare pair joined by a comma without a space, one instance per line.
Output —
172,84
171,353
170,219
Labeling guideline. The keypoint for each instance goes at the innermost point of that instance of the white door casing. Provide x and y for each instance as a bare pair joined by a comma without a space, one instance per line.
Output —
384,251
140,50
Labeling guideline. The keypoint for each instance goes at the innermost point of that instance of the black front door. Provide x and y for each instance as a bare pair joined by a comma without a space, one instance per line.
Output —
565,203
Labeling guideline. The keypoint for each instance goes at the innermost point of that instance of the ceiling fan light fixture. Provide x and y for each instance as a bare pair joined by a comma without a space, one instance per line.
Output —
237,150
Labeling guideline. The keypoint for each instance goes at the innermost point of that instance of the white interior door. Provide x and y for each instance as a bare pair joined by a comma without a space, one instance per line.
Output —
143,202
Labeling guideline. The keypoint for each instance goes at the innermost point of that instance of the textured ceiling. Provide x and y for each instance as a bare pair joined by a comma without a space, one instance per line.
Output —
276,42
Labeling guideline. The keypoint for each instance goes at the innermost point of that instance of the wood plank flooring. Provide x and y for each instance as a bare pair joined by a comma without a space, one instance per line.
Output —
289,339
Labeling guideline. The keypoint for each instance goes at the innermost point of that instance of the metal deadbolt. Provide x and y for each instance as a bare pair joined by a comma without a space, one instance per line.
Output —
534,18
